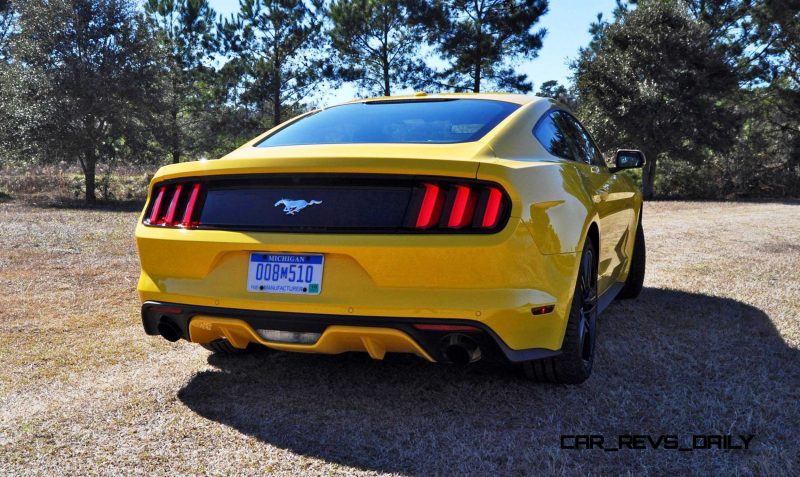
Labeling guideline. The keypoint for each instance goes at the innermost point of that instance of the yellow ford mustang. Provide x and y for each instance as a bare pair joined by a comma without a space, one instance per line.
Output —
454,227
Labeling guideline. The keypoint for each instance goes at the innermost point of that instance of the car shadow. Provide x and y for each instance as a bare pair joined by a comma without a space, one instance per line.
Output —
669,362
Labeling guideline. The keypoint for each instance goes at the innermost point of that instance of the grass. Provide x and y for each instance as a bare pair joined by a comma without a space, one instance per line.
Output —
711,346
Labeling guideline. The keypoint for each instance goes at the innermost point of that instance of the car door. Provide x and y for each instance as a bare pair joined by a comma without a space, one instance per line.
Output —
613,204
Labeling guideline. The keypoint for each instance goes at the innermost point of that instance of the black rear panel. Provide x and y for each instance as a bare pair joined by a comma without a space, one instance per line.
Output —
315,203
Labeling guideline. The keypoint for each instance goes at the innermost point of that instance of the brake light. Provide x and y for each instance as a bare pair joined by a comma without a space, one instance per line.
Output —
173,205
494,202
183,205
431,327
157,206
187,215
461,206
431,208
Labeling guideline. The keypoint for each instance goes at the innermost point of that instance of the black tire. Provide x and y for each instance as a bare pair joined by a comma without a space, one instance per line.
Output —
223,346
574,364
635,280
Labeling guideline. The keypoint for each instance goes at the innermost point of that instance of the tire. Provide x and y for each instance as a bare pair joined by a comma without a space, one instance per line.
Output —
222,346
635,280
574,364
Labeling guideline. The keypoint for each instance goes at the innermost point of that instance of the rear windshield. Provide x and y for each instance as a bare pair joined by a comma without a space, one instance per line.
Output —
419,121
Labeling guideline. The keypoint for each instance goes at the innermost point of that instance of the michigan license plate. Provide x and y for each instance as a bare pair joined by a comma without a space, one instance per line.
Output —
299,274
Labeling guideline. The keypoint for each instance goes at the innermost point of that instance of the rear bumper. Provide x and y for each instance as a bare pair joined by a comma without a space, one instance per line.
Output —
203,324
494,280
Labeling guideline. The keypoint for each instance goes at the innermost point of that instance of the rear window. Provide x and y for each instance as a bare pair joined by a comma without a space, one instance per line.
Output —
431,121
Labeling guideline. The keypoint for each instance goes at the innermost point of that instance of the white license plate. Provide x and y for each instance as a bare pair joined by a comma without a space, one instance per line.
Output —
295,273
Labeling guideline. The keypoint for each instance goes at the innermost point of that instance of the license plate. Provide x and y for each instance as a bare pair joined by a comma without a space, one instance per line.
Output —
295,273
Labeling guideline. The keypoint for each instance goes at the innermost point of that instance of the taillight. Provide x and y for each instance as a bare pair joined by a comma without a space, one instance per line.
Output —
459,206
494,205
431,208
188,214
175,205
155,212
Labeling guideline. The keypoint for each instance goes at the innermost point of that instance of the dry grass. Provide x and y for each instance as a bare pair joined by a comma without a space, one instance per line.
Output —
710,347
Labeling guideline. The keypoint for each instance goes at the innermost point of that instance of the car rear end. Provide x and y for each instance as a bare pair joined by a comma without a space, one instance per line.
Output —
337,248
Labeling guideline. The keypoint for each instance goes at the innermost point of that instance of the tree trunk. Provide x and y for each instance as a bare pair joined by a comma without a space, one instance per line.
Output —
276,98
89,167
477,85
385,58
176,139
386,89
649,177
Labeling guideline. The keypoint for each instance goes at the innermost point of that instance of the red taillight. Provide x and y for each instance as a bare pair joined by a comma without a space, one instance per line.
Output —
157,206
463,208
491,214
460,206
173,310
169,219
427,327
187,215
431,208
181,209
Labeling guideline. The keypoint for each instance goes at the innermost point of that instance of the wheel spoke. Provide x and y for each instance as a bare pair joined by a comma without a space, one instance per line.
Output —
588,307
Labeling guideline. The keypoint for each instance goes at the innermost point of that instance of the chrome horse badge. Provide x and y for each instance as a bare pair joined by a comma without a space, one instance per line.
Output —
292,207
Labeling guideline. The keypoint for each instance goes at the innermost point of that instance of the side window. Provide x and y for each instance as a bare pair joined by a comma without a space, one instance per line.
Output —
587,149
551,132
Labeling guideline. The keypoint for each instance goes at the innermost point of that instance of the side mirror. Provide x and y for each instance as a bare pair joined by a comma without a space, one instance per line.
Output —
628,159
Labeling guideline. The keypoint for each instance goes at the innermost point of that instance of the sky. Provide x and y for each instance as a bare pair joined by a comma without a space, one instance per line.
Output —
567,23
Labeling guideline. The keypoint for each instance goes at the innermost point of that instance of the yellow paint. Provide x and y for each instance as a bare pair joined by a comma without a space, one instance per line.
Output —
495,279
336,339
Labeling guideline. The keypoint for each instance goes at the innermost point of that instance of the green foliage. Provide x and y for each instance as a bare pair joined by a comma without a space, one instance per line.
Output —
481,40
377,43
271,45
82,74
8,18
709,89
653,80
553,89
186,31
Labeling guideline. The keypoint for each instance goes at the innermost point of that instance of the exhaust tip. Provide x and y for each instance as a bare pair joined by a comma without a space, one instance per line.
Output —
169,330
460,349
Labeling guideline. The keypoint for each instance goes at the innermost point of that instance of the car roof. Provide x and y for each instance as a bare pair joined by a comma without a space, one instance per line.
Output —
520,99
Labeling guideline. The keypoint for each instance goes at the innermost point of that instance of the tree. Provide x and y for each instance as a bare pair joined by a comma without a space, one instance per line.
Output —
186,30
7,24
271,42
83,76
481,38
652,80
376,44
553,89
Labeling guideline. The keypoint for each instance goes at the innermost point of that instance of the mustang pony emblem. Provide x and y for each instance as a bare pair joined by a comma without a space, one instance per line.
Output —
291,207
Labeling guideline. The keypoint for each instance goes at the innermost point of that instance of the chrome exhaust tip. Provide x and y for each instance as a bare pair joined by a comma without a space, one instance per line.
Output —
460,349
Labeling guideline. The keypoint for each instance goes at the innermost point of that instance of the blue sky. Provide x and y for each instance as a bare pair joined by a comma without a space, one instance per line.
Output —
567,23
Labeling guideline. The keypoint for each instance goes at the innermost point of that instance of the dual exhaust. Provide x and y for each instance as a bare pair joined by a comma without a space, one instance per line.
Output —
455,347
460,349
169,330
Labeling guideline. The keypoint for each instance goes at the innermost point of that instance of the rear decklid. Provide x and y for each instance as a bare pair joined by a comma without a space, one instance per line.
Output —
330,188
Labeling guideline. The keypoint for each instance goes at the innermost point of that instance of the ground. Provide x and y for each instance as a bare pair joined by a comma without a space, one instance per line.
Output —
712,346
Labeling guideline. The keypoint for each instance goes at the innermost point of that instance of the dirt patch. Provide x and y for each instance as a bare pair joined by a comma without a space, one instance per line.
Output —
711,346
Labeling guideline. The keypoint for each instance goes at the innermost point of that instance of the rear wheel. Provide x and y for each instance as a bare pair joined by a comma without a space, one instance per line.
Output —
223,346
635,280
574,364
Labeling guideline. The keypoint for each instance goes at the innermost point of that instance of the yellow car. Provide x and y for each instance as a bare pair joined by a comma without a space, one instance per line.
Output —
452,226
